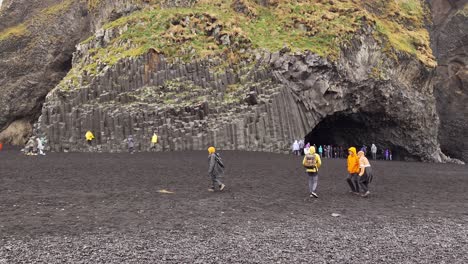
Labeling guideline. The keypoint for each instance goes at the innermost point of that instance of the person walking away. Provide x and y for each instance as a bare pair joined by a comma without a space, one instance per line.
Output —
365,174
154,141
312,163
1,146
390,157
215,169
40,146
320,150
89,137
386,154
131,144
353,170
296,147
374,151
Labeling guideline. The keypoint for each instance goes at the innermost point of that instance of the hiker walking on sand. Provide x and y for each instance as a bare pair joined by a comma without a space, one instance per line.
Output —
89,137
154,141
131,144
353,170
215,169
365,174
312,163
374,151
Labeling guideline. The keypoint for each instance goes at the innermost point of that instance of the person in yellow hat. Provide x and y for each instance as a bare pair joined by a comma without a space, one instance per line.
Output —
215,169
154,141
89,137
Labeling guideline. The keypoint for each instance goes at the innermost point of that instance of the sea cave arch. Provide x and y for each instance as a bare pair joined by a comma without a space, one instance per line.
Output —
357,129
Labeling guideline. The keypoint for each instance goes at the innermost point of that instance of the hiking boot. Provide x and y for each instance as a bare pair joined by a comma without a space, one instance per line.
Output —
211,189
222,186
366,194
314,195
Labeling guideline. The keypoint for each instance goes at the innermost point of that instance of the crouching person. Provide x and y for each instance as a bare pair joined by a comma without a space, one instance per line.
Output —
365,174
312,163
215,169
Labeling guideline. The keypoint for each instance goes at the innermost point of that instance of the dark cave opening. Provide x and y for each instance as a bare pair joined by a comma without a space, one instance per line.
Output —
356,130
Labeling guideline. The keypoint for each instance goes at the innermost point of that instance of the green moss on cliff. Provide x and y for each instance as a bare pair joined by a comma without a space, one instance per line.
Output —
230,28
16,31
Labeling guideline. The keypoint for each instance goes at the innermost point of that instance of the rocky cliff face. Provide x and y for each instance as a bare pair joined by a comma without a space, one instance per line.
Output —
335,72
450,44
37,40
261,103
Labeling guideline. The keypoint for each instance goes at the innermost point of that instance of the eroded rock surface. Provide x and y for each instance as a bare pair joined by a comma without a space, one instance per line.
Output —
450,44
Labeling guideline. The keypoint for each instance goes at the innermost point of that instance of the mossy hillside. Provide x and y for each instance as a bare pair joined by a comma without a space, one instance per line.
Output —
233,27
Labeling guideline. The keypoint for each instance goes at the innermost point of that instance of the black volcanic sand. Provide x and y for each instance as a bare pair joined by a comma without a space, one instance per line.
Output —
105,208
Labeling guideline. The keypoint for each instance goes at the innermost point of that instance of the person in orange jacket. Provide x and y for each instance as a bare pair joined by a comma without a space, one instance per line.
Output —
353,170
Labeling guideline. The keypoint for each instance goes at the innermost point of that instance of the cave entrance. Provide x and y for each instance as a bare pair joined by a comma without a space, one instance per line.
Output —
357,129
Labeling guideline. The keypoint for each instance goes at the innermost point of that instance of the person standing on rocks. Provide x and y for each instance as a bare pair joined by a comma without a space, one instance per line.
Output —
312,163
215,169
131,144
353,170
374,151
154,141
365,174
89,137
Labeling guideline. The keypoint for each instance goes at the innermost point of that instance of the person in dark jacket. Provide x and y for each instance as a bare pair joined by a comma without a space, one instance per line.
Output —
215,169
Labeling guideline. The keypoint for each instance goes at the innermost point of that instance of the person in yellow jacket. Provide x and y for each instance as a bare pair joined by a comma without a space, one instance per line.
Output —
89,137
312,163
353,170
154,141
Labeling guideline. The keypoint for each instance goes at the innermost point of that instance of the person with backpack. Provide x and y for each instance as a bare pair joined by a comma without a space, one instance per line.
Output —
215,169
312,163
353,170
365,174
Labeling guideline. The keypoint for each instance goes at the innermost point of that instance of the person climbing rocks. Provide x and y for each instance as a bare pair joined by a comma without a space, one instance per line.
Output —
320,150
89,137
295,147
215,169
365,174
374,151
131,144
312,164
154,141
353,170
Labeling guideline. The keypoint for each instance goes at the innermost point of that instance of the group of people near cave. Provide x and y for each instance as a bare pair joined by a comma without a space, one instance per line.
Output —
338,152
